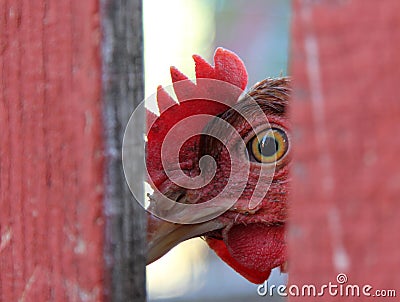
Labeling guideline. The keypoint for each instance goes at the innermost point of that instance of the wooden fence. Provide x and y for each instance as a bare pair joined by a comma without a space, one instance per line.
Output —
71,73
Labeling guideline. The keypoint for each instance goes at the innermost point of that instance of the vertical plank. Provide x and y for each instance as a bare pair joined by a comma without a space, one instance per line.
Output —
345,113
51,152
62,114
123,91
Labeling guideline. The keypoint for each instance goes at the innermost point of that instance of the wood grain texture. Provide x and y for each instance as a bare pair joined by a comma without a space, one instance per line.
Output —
51,152
345,112
123,90
69,228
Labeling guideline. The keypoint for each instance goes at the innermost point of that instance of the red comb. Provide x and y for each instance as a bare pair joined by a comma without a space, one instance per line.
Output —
228,68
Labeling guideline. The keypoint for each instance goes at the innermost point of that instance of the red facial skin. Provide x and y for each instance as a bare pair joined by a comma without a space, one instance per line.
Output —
251,241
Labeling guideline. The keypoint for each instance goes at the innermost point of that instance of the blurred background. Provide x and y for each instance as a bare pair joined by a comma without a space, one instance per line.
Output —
174,30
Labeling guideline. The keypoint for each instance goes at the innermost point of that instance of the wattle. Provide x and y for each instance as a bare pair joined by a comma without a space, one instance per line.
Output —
252,250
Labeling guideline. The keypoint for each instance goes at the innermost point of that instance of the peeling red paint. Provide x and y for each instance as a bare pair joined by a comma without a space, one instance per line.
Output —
51,162
345,112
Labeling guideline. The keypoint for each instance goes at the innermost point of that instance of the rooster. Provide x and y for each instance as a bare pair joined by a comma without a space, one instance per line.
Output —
249,237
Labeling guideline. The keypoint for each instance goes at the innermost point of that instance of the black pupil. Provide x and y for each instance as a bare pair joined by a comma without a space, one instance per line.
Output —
268,146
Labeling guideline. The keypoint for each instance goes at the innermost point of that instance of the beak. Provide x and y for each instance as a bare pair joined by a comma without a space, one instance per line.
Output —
163,235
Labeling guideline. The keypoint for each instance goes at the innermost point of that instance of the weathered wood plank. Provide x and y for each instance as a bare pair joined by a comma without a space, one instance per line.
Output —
123,91
345,110
51,162
69,230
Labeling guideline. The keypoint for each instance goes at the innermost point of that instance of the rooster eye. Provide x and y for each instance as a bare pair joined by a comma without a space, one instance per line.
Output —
268,146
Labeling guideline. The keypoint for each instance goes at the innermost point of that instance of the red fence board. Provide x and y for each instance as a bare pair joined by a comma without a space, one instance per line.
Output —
346,177
51,153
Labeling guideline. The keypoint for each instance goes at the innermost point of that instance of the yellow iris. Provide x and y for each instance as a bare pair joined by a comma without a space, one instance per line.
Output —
269,146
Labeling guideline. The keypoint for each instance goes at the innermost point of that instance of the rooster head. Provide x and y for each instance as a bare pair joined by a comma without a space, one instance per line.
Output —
218,163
